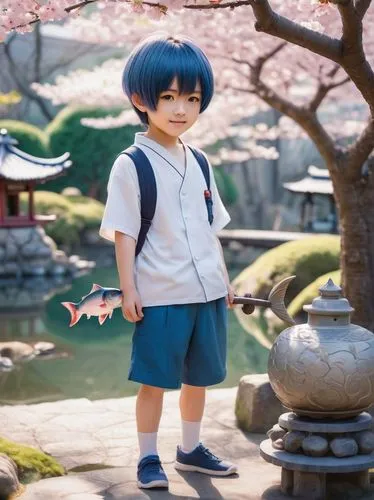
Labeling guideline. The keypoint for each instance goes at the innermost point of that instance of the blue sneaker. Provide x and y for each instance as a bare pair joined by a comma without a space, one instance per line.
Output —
151,474
202,460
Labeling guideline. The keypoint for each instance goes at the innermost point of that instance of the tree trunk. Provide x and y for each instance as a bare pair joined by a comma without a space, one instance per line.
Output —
355,201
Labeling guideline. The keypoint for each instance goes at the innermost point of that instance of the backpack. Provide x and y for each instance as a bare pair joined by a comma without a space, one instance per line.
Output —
148,189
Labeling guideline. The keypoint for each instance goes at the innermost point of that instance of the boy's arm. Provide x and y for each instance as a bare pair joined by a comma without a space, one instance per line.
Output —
125,256
230,290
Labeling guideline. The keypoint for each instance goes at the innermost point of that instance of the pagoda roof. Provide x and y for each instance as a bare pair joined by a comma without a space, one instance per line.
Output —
18,166
317,181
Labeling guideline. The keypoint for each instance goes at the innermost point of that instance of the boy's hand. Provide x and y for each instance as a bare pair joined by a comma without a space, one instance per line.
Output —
230,296
132,306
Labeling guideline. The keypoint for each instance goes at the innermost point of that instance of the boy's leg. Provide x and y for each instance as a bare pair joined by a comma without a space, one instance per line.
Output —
148,415
191,404
205,365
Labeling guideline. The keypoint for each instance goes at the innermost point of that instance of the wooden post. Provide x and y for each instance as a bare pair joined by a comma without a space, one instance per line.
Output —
2,202
31,201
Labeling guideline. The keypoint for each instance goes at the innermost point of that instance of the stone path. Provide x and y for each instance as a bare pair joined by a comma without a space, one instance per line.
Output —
96,443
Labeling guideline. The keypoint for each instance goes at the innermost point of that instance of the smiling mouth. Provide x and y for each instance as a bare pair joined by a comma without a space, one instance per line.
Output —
173,121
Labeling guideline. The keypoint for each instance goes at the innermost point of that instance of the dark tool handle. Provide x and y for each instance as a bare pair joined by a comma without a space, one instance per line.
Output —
248,299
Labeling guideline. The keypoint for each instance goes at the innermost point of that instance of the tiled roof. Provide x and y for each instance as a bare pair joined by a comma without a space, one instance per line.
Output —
317,181
16,165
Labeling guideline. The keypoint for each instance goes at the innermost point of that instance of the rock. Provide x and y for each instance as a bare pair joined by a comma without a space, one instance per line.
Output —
344,447
6,365
16,351
257,408
21,234
276,432
71,191
293,441
44,347
315,446
365,441
9,483
60,257
278,444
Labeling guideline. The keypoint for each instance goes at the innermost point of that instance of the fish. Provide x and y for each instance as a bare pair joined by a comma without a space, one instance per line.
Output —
100,301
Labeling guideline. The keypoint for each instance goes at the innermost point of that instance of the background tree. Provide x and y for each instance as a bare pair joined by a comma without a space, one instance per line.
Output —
336,30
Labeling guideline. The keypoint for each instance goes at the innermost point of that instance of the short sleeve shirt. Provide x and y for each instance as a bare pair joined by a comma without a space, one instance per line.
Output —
180,261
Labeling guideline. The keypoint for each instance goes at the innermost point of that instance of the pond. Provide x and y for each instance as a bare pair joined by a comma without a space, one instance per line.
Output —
92,361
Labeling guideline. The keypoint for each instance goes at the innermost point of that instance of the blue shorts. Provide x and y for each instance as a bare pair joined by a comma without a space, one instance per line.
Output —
184,343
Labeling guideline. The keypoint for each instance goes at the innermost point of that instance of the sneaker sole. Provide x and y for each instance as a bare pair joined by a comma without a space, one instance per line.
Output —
154,484
194,468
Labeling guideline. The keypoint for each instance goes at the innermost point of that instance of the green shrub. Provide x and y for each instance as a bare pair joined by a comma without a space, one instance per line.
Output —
31,461
92,150
226,186
30,139
74,214
306,259
295,309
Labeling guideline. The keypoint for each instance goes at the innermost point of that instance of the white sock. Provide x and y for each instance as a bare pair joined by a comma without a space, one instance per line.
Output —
190,435
147,444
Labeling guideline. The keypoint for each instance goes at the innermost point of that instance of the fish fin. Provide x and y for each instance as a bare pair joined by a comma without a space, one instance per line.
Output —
111,314
88,316
102,318
75,314
102,304
95,287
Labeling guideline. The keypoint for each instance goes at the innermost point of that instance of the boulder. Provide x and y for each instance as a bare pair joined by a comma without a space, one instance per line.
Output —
365,441
315,446
9,482
293,441
16,351
344,447
257,408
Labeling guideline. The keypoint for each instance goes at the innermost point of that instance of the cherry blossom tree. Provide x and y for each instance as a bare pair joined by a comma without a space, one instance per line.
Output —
301,59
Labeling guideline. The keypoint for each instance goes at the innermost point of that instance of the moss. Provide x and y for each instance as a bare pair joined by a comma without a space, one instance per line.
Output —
307,259
30,139
295,309
31,461
74,214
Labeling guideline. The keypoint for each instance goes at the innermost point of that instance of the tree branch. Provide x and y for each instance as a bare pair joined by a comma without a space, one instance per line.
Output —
24,86
322,92
307,120
362,7
268,21
353,56
359,152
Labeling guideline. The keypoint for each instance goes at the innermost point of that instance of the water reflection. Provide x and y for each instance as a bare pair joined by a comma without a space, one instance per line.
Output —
89,360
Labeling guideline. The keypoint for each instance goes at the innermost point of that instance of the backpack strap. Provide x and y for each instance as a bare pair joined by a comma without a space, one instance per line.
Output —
204,165
148,192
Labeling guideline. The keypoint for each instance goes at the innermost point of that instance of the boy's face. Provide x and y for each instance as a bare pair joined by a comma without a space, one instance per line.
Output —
175,113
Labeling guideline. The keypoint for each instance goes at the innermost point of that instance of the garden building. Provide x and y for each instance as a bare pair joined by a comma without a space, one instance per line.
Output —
317,208
20,172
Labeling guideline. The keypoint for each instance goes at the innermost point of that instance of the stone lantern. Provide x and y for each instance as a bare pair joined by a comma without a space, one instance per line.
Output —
323,371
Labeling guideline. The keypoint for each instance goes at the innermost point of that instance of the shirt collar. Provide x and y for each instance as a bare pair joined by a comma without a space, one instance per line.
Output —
141,140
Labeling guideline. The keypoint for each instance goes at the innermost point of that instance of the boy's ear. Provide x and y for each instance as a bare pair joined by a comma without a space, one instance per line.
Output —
138,103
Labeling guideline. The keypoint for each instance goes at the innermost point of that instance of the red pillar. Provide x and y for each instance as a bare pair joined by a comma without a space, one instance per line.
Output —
31,201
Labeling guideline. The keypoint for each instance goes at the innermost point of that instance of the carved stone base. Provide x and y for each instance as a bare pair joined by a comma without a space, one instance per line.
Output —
307,476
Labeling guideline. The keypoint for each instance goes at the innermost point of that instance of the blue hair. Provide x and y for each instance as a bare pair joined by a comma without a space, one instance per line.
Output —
156,61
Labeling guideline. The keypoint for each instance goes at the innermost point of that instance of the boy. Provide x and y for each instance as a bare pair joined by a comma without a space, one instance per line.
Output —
177,288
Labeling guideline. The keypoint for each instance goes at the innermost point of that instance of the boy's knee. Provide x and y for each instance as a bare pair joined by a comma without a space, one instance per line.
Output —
151,391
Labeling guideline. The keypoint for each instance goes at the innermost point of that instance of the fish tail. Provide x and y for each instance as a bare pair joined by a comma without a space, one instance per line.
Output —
75,314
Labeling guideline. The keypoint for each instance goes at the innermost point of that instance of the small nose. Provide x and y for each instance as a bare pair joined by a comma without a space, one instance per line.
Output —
179,108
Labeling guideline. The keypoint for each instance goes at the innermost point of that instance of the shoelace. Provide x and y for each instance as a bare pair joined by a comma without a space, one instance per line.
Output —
153,464
209,454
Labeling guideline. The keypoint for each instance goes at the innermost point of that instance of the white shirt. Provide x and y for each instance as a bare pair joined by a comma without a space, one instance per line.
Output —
180,261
